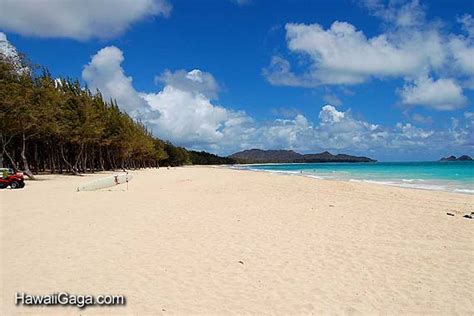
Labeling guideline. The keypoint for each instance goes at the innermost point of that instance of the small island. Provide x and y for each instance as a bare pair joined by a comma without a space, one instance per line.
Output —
453,158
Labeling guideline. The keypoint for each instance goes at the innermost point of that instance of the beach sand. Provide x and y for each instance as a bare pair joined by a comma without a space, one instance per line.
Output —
205,240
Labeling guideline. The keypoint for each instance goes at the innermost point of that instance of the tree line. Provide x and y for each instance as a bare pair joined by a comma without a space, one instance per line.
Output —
52,125
205,158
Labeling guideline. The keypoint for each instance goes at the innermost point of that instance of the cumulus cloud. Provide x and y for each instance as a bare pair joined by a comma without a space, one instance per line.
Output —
462,50
79,20
399,13
467,22
8,51
6,48
181,112
195,80
104,72
441,94
344,55
409,48
330,115
188,118
187,114
279,73
338,130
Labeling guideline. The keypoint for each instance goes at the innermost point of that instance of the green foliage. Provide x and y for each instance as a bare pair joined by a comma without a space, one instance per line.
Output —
49,125
176,155
66,127
204,158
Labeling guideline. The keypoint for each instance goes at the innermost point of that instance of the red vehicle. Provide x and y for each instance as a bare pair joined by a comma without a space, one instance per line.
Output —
10,178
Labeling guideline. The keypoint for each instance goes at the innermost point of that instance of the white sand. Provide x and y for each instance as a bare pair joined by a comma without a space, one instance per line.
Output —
172,244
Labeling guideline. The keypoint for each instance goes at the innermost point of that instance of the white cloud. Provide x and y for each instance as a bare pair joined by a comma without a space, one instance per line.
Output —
181,112
402,14
6,48
330,115
467,22
462,51
185,114
411,132
338,130
279,73
441,94
77,19
409,48
188,118
195,80
104,72
344,55
8,51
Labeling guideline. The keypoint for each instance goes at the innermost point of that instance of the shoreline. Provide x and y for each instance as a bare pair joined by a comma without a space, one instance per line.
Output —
41,176
437,185
212,240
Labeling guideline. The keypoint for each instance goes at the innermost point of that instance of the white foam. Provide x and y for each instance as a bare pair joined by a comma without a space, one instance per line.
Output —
464,191
314,177
422,184
404,185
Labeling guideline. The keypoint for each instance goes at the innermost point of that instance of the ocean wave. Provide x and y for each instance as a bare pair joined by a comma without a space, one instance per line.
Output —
435,187
284,171
464,191
411,183
372,181
315,176
275,171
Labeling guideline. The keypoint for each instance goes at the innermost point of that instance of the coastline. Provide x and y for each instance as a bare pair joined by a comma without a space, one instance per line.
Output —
216,240
408,181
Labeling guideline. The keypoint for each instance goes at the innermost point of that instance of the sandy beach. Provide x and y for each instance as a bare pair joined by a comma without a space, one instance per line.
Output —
205,240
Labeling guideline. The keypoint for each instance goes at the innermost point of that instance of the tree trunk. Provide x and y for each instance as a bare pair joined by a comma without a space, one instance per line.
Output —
1,154
4,151
26,167
101,159
67,162
78,159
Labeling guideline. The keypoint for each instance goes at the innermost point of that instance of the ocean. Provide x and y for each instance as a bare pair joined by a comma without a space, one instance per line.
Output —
456,176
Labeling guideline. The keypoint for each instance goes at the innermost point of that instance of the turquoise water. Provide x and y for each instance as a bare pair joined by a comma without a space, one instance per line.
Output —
445,176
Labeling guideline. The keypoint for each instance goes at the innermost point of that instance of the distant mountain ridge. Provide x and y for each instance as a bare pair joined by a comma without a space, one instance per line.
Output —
290,156
453,158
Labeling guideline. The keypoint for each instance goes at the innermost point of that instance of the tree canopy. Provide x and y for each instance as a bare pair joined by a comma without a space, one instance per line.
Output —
57,125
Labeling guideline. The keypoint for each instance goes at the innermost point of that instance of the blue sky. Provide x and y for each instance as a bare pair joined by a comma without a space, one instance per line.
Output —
390,79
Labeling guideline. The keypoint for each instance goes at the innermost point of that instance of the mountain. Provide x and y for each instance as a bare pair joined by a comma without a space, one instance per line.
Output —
328,157
290,156
453,158
262,156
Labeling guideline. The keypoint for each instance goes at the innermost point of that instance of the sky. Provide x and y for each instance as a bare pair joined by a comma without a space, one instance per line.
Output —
393,80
